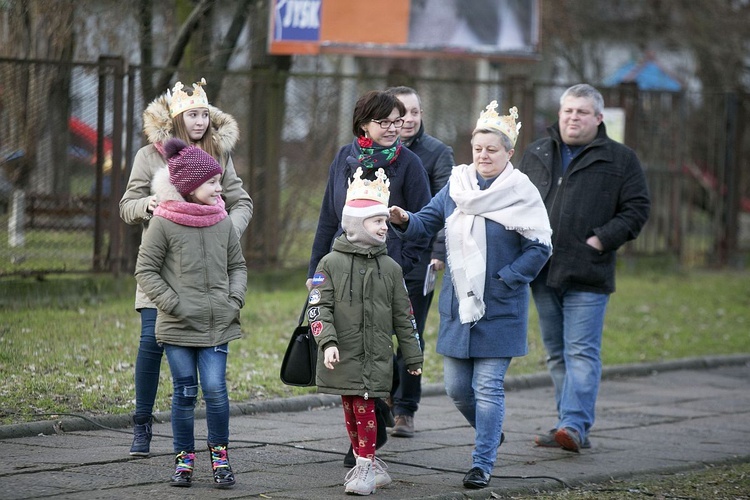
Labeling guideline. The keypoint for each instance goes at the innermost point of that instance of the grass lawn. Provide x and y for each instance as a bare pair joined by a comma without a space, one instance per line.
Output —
68,344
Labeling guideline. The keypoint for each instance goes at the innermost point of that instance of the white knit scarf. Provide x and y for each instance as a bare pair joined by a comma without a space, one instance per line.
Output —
512,201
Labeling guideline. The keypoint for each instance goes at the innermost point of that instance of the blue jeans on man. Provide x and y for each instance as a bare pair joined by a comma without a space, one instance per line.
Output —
476,386
186,364
571,323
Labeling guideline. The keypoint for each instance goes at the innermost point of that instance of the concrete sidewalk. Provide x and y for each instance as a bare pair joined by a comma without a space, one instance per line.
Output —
651,418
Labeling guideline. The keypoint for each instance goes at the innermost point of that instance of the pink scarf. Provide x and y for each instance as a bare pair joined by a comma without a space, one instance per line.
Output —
191,214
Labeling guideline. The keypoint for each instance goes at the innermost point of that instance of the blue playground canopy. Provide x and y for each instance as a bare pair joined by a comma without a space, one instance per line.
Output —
648,75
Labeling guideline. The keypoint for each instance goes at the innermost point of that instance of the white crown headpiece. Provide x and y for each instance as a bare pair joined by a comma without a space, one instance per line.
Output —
489,119
180,101
365,189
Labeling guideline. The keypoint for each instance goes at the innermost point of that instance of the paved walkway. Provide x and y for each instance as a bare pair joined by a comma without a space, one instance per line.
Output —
651,418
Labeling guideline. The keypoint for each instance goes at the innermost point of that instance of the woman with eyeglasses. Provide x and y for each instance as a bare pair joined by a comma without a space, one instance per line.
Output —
376,123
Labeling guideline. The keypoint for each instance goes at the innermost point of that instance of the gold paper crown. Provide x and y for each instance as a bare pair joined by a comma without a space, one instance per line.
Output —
180,101
489,119
365,189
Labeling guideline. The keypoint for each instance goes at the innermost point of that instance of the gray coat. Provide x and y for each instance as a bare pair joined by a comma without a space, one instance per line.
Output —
157,125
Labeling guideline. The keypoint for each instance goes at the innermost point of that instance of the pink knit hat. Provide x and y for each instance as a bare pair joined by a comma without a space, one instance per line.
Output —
189,166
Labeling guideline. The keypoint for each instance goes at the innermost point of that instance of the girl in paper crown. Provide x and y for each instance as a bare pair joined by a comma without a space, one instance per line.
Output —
189,117
498,238
190,265
357,301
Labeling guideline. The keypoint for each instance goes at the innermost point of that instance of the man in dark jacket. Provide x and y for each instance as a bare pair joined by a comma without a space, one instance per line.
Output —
597,199
437,159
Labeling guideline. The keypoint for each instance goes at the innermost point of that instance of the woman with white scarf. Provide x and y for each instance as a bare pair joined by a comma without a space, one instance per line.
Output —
498,238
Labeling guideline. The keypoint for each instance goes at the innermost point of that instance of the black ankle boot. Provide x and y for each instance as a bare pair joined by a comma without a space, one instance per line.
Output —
183,472
142,434
223,476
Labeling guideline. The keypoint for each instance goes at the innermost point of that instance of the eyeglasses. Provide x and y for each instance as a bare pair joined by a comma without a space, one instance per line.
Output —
386,124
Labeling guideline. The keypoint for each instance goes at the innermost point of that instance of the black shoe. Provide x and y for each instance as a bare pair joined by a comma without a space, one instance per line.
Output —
476,479
183,474
349,460
223,475
141,436
383,409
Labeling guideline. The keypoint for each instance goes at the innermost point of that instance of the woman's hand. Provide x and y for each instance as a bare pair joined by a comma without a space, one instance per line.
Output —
438,264
331,356
152,204
308,284
416,372
397,215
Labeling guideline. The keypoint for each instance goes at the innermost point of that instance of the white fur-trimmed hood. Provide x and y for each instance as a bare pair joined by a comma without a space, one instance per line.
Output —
162,188
157,125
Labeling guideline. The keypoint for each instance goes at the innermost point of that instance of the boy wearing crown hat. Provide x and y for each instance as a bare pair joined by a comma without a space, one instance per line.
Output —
357,301
186,115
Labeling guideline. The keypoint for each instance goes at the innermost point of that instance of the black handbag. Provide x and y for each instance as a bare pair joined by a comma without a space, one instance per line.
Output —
298,365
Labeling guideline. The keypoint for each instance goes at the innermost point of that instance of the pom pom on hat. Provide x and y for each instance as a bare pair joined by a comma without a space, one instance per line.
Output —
189,166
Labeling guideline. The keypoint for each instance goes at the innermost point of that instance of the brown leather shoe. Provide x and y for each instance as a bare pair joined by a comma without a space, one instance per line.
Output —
404,426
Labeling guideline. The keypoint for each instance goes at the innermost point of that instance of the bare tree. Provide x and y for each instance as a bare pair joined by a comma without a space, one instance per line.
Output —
34,92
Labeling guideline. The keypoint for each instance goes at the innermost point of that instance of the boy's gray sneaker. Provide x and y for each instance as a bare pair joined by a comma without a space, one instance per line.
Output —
548,441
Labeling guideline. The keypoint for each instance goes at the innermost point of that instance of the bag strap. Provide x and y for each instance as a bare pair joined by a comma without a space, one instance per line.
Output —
302,314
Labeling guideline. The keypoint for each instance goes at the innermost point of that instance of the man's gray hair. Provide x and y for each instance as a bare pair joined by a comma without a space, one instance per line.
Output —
587,92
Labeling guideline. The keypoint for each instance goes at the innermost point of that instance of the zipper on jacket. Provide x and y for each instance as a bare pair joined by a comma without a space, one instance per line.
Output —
366,396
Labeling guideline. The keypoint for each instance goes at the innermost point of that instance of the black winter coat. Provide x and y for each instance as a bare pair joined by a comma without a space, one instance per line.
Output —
603,193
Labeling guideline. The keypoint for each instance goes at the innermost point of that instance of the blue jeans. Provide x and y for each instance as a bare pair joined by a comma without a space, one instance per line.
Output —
571,323
147,365
407,388
186,363
476,387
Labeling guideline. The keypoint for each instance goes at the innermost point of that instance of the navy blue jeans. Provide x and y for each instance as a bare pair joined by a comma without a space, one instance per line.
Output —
187,365
407,389
147,365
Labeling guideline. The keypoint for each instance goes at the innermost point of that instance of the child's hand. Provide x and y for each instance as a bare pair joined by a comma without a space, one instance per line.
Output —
330,356
418,371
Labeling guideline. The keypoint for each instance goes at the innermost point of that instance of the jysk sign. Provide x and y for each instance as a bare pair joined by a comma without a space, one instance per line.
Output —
497,29
296,20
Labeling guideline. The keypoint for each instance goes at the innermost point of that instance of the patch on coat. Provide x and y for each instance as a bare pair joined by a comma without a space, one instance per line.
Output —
316,327
313,313
314,297
318,279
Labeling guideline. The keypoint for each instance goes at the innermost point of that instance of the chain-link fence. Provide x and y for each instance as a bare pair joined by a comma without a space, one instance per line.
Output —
68,126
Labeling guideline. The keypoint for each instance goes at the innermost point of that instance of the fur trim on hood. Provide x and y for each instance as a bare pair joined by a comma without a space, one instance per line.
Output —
157,125
162,188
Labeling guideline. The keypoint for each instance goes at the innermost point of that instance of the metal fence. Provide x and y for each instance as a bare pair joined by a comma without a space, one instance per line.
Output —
70,126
